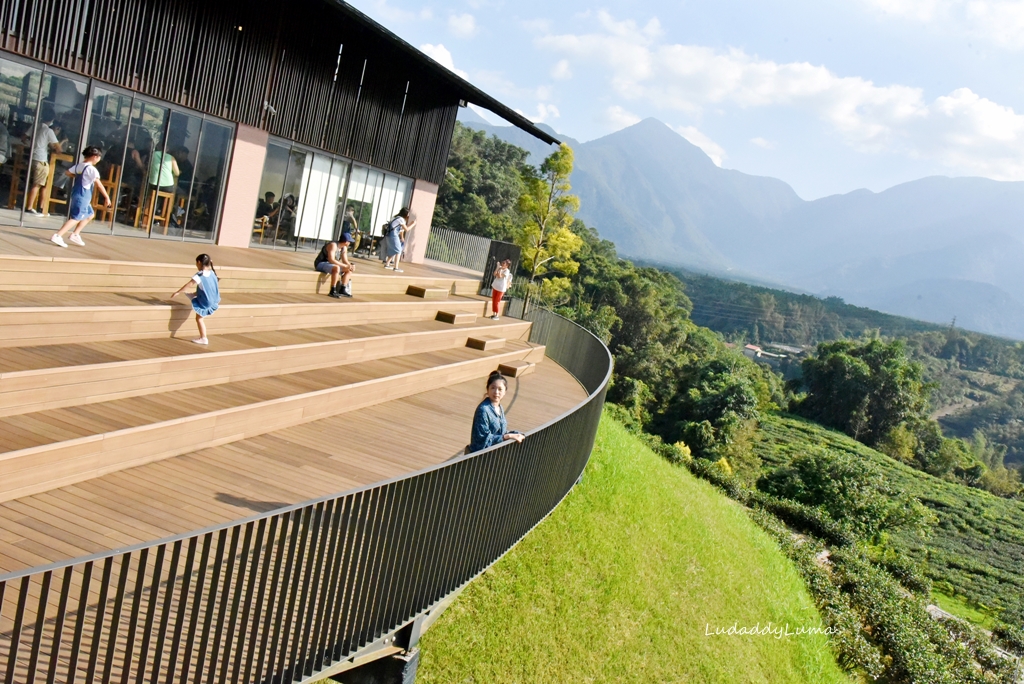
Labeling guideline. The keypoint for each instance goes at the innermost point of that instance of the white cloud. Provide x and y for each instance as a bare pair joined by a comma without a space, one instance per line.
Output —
462,25
710,147
962,130
545,112
561,71
381,10
762,143
619,118
439,53
1000,22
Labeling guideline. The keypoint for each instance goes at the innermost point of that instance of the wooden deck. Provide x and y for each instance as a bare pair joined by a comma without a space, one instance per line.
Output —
35,242
115,432
224,483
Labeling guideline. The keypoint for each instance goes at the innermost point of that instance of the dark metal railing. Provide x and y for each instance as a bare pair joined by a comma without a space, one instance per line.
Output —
460,249
287,595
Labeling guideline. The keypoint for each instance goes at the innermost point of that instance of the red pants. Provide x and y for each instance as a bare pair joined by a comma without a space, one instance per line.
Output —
496,296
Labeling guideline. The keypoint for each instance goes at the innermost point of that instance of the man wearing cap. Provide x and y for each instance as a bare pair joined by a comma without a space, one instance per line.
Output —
333,260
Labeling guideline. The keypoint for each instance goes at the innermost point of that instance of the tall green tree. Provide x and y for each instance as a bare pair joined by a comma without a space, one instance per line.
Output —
866,390
482,185
546,236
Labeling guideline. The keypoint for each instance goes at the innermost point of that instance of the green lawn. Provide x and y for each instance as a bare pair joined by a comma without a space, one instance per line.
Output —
621,583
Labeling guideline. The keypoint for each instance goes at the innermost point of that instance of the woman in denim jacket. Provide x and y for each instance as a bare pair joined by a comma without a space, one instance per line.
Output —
489,424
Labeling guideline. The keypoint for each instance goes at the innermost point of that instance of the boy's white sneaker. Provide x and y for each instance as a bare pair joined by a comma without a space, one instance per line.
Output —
76,239
58,240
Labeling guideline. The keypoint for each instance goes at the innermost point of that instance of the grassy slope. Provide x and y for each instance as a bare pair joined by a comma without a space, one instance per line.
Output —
619,583
977,542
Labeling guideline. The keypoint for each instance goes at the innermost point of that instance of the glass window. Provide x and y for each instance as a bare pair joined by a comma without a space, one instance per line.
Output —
109,119
291,197
206,176
265,224
19,97
145,137
311,208
375,185
164,209
63,101
389,191
334,212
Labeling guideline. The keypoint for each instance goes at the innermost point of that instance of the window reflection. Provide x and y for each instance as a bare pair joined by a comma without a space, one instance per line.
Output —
144,138
268,207
164,211
209,172
55,147
19,96
107,130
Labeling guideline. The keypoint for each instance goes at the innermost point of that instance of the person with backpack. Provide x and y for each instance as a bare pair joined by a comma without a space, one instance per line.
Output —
394,239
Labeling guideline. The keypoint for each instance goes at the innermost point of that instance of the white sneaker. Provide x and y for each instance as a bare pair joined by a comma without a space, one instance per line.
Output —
76,239
398,270
201,340
34,212
58,240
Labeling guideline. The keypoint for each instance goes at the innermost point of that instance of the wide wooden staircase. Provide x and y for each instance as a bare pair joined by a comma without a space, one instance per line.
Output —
98,374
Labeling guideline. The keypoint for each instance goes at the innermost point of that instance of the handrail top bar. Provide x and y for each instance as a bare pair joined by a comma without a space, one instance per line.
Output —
286,510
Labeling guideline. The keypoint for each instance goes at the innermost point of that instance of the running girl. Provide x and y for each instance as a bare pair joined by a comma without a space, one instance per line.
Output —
206,298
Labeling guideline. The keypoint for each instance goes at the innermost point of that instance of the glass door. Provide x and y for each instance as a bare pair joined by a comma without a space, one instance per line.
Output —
60,119
145,136
107,129
164,208
19,102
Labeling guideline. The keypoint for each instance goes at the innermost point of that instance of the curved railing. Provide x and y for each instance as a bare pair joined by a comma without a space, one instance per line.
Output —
294,593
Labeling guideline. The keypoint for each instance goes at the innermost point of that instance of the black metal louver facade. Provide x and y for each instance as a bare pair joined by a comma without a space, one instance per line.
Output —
302,70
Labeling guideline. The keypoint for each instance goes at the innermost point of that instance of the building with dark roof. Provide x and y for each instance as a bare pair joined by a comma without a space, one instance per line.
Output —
240,123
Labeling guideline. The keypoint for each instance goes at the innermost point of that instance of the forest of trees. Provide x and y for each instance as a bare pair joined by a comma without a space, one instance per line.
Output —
701,403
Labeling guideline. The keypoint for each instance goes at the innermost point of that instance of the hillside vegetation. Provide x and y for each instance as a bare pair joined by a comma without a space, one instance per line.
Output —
975,380
618,584
844,520
973,545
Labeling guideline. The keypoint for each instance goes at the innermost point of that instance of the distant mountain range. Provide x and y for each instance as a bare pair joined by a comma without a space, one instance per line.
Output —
933,249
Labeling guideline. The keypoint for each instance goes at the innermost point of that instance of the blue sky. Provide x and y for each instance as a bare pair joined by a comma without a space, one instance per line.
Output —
828,96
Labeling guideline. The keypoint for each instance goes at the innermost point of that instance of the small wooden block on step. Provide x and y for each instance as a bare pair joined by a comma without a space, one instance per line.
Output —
485,343
427,292
455,318
516,369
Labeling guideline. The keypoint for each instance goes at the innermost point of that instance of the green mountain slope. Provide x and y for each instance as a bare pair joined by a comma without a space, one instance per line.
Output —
621,583
975,547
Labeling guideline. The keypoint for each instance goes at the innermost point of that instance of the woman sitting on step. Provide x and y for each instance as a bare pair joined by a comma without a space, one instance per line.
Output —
489,424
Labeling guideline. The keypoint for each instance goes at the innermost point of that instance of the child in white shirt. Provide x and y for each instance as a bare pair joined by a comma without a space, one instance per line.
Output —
80,210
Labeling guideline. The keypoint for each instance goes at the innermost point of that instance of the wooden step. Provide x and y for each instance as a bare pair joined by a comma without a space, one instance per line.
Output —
456,318
48,388
516,369
182,422
42,325
427,292
485,343
59,274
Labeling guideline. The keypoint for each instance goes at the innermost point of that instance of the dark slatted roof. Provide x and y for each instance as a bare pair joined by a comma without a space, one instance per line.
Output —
468,91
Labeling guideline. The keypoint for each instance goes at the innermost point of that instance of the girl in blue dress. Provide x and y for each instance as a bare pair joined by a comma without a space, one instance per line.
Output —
206,298
489,424
80,210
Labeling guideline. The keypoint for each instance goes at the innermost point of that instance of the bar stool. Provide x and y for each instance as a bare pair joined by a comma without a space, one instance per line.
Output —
113,177
47,200
19,164
164,215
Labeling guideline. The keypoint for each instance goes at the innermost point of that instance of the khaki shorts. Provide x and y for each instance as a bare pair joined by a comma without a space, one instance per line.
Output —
40,172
